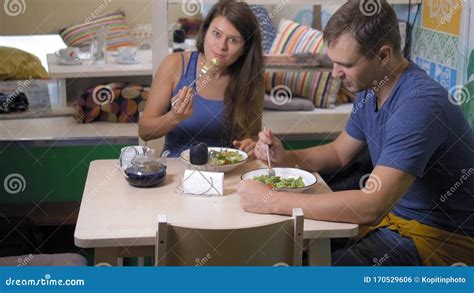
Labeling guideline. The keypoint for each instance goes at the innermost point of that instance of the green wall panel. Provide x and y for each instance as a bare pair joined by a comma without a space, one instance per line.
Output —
47,174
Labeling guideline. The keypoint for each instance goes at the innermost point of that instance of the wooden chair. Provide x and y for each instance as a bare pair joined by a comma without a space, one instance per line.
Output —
278,244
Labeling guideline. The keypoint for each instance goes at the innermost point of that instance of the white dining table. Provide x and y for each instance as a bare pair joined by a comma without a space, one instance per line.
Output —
119,220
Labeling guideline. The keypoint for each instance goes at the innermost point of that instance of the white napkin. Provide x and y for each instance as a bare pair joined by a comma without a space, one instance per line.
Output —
203,183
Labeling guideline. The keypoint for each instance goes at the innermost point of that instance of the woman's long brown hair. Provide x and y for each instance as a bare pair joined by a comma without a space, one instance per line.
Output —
243,97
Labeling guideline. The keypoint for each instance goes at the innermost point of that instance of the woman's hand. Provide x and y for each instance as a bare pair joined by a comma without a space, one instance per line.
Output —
277,152
182,104
247,145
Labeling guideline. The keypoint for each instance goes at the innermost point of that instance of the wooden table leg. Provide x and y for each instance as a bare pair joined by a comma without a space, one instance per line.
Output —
319,252
106,256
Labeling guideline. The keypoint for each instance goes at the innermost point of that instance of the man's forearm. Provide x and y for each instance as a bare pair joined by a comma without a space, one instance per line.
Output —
315,159
351,206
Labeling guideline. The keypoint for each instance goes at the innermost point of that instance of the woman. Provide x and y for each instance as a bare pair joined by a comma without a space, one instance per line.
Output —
224,106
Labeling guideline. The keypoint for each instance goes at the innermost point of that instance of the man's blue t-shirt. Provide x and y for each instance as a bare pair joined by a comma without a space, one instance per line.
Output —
421,131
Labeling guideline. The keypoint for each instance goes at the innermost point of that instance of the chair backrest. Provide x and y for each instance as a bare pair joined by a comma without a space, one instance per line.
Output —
280,243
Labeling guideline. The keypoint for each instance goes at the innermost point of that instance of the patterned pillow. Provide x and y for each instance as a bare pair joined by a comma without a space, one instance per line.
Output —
319,87
113,102
80,35
18,64
268,31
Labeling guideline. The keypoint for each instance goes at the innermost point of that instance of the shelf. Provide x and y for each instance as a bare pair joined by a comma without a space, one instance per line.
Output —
296,69
301,2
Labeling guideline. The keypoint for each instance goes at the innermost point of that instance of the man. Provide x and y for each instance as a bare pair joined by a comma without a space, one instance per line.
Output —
418,201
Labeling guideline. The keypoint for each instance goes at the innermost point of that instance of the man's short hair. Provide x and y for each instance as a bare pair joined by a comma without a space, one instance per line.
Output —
372,23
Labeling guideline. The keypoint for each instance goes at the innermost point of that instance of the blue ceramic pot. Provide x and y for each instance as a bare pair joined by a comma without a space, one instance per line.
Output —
198,154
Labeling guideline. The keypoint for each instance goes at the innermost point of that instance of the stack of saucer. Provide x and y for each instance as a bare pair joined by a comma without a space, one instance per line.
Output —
127,55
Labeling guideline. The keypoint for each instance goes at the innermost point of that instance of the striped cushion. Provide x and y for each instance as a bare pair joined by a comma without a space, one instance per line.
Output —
319,87
79,35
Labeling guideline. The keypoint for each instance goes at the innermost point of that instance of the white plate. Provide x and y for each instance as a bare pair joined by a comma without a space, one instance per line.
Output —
69,62
308,178
125,61
223,168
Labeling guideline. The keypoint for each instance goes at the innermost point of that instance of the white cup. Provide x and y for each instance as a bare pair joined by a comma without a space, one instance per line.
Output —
68,54
127,53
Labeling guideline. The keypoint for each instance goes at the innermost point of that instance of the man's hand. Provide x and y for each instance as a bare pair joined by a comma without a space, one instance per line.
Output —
277,152
256,197
247,145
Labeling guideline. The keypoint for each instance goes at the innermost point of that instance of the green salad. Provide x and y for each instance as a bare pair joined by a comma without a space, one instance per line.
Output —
224,157
278,182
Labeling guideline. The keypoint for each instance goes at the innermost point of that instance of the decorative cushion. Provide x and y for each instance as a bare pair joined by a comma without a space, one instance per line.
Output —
293,104
319,87
80,35
113,102
268,31
18,64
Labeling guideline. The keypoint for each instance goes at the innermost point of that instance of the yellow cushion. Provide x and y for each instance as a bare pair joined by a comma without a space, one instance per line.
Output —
18,64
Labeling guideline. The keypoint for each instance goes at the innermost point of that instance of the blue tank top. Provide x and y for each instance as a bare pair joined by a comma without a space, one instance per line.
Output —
206,124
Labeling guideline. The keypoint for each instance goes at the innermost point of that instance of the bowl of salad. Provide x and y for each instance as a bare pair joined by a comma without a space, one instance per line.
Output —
221,159
285,179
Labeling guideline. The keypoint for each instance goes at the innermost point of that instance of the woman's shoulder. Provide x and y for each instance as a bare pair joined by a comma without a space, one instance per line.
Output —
174,61
177,57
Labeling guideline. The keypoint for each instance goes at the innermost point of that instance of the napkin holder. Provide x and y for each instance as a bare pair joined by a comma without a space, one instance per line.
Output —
199,181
